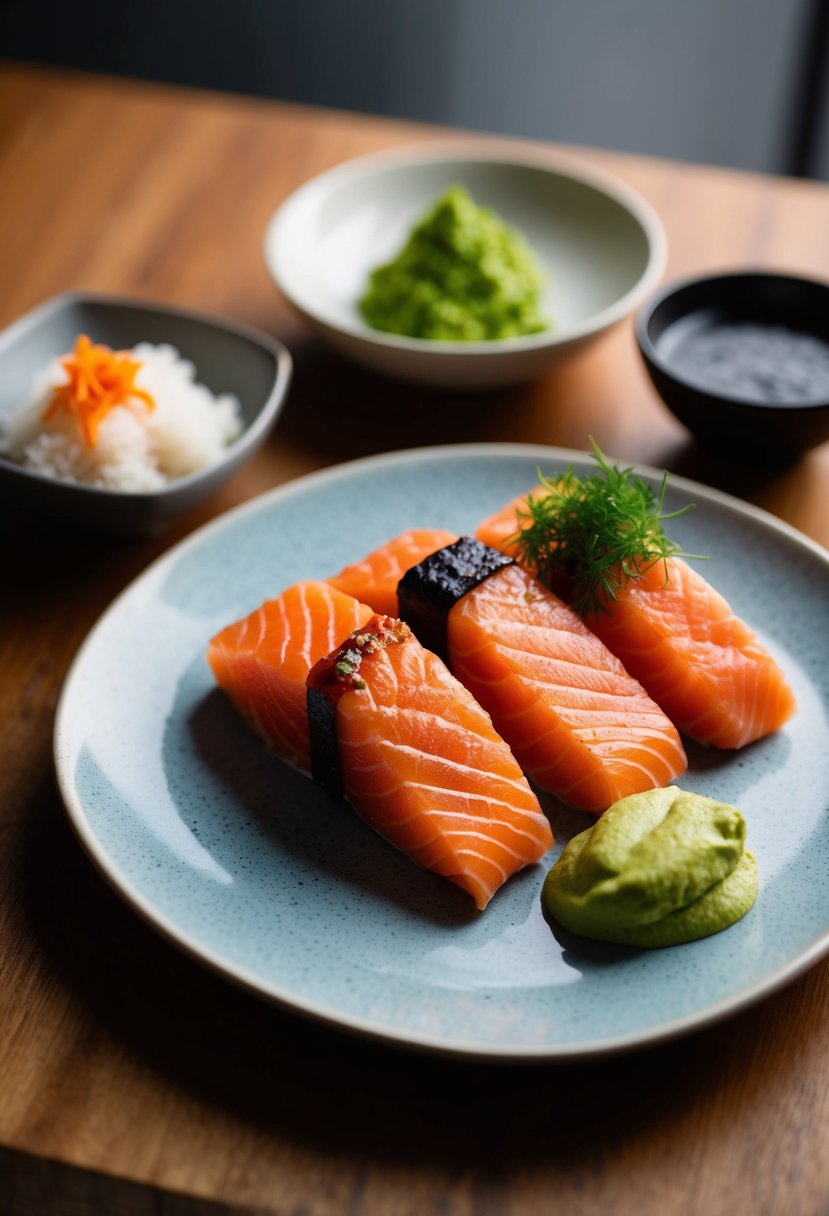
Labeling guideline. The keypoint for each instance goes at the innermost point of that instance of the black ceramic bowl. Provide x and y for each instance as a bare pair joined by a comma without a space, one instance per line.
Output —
742,360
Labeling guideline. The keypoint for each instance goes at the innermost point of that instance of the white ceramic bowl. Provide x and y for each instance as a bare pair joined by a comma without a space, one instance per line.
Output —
601,245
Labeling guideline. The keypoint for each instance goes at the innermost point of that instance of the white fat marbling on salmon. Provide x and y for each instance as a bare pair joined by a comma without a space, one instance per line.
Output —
578,723
422,763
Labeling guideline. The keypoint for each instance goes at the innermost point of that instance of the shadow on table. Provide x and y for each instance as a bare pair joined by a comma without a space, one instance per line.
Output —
328,1091
343,411
745,478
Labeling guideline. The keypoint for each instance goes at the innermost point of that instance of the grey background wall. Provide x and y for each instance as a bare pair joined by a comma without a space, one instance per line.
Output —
734,82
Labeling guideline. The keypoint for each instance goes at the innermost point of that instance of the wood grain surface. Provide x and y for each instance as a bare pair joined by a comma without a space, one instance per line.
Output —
133,1080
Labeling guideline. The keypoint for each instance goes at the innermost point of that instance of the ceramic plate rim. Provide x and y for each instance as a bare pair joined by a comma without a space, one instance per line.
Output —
326,1015
506,152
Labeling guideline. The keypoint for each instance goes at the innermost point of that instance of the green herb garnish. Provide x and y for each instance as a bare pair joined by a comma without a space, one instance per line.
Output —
599,532
347,663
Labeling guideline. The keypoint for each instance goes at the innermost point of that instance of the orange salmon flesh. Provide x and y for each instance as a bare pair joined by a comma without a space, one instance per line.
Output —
263,660
423,765
680,638
374,579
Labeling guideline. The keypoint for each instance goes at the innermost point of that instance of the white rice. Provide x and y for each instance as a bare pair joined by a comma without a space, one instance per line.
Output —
137,449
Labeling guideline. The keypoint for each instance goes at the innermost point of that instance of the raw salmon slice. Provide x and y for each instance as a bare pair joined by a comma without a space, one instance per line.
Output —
374,579
680,638
421,762
699,661
263,660
500,529
577,722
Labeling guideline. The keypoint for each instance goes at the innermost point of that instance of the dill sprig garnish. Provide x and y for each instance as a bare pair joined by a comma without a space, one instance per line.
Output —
598,532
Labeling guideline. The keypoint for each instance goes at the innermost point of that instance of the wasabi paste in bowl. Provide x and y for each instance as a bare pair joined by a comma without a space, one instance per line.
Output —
463,275
543,256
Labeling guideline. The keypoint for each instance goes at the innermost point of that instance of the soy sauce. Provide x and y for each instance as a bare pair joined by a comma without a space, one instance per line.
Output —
750,360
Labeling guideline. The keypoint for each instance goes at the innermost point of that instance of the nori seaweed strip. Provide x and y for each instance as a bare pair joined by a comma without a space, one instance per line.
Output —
327,681
325,755
428,592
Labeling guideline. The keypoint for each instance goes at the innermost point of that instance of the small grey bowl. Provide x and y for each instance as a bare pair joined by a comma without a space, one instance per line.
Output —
229,358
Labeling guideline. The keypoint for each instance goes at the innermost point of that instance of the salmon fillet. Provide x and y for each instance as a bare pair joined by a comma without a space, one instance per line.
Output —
374,579
499,529
578,723
263,660
699,661
422,763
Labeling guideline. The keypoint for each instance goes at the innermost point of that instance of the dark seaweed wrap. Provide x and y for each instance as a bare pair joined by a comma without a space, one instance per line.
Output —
428,592
325,756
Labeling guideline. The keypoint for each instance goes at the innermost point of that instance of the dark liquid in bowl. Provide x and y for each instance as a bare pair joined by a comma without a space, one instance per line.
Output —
752,360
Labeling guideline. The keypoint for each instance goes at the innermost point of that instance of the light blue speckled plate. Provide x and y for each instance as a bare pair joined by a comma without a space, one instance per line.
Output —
250,868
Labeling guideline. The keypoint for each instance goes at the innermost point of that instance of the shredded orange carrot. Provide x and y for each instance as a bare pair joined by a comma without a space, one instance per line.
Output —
99,379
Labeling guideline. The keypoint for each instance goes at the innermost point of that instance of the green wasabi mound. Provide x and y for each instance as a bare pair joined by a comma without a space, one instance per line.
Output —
462,276
658,869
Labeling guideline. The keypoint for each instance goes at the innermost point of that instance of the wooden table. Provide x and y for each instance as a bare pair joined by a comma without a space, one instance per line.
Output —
131,1079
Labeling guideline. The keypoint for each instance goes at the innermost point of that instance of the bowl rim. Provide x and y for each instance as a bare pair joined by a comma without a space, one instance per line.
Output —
249,436
676,287
485,150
